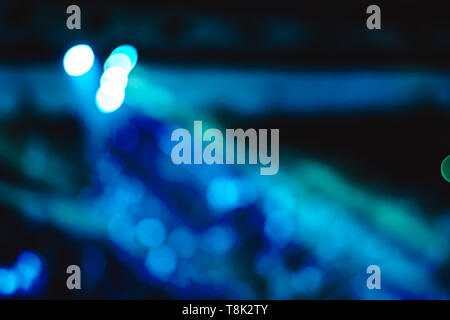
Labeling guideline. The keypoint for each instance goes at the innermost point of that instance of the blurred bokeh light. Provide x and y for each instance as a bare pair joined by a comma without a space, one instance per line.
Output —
86,176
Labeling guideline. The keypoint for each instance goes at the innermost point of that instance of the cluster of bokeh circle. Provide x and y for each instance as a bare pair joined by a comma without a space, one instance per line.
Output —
79,59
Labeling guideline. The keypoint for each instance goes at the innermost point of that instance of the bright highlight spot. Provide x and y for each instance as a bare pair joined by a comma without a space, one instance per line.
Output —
119,60
29,267
107,103
114,80
8,282
22,276
127,50
29,264
223,194
78,60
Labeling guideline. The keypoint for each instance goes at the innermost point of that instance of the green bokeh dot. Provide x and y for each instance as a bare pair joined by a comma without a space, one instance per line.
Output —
445,168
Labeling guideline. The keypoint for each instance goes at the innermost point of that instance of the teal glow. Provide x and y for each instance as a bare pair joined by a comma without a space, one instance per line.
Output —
445,169
78,60
223,194
108,103
119,60
127,50
114,81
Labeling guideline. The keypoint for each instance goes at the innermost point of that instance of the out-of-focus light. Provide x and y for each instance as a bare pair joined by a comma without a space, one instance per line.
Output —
34,160
119,60
218,240
279,227
121,230
8,282
223,194
22,276
445,168
126,50
151,232
279,197
28,267
78,60
161,261
107,103
29,264
113,81
183,241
